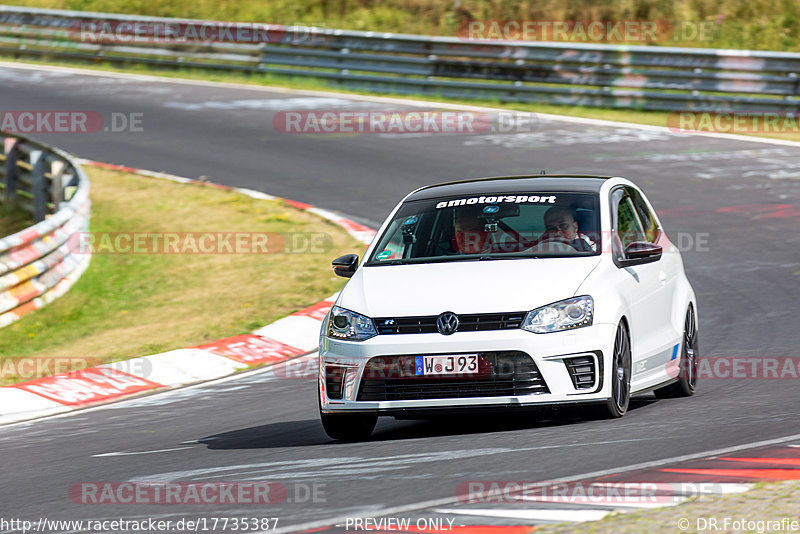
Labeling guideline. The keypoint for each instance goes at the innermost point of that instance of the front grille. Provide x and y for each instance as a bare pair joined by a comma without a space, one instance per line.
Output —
582,371
334,379
472,322
500,374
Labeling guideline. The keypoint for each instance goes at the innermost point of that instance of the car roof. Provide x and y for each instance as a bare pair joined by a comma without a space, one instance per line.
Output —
557,183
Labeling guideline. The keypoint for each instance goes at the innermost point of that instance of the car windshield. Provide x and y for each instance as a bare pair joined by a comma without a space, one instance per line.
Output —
481,227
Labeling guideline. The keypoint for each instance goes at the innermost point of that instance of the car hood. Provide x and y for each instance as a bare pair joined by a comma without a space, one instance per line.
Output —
492,286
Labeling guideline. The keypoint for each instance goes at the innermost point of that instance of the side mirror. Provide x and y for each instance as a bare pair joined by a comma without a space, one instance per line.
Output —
345,266
639,253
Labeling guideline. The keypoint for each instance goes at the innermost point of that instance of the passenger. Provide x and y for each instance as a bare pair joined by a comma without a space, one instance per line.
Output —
560,224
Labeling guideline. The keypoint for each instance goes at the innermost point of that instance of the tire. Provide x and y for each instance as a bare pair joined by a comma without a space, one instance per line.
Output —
620,376
687,367
348,427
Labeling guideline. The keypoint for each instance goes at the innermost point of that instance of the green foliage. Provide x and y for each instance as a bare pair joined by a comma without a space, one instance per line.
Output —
13,219
750,24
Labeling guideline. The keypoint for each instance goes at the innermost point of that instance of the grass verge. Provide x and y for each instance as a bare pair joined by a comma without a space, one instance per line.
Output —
128,305
652,118
766,502
751,24
12,220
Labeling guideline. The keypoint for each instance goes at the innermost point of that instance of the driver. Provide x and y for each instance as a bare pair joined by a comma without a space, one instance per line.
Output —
470,236
561,225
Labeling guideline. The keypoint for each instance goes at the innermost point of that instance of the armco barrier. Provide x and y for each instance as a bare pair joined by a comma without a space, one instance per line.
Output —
638,77
36,265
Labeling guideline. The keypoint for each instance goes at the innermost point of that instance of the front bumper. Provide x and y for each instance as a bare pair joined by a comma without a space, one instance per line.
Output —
548,352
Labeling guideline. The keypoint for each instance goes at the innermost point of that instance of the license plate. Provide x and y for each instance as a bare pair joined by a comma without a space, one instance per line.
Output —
458,364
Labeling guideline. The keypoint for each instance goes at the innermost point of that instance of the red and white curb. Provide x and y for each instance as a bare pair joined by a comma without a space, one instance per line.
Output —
286,338
591,498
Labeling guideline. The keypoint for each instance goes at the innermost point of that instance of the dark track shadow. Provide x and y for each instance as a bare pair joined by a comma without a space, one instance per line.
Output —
275,435
309,432
489,422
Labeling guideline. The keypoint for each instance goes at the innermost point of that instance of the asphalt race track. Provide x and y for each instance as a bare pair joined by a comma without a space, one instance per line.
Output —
732,206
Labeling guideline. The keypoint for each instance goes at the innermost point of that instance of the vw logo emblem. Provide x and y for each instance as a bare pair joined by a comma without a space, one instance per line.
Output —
447,323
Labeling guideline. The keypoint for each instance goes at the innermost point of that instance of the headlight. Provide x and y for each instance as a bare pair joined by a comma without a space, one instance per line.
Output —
565,315
345,324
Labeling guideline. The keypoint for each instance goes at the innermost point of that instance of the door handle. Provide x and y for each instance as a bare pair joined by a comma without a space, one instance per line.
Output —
662,277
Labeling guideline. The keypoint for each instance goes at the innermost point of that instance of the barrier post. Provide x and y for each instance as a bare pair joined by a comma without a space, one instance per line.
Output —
57,169
11,148
39,185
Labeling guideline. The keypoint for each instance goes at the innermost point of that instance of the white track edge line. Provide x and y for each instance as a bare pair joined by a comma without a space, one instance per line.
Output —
594,474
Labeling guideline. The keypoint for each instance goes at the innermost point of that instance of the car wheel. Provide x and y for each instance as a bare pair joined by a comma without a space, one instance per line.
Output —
620,376
347,427
687,368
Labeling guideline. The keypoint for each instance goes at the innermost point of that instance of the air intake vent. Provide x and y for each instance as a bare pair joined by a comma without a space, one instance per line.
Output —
392,378
582,371
334,381
473,322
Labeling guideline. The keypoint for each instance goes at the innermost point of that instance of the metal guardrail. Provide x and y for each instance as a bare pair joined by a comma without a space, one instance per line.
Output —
39,263
637,77
33,177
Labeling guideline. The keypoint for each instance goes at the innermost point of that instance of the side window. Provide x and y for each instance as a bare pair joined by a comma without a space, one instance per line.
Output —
645,215
628,226
393,248
415,236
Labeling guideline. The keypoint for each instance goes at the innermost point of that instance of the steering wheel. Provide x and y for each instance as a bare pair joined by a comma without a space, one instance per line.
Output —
553,243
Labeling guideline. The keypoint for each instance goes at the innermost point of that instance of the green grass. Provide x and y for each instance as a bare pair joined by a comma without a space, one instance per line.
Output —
13,219
128,305
749,24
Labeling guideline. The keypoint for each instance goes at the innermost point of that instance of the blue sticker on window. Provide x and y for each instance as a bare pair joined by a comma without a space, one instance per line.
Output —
384,254
491,209
410,220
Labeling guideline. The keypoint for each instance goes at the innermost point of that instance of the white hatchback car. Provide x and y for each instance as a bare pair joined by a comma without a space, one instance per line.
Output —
508,292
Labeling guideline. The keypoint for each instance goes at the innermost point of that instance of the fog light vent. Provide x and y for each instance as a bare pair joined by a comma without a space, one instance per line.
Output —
334,381
582,371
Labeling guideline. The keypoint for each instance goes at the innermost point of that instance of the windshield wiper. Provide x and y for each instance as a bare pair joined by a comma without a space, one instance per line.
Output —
503,257
392,262
445,259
